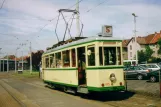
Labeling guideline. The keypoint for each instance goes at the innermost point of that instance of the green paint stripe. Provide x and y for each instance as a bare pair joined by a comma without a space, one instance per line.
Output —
93,41
87,43
58,83
88,68
115,88
60,69
105,67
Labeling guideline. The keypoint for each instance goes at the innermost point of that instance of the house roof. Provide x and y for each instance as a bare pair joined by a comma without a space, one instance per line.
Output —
141,40
156,38
125,42
150,39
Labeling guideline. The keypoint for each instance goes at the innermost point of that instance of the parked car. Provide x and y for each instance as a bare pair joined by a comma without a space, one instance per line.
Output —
137,72
153,76
152,66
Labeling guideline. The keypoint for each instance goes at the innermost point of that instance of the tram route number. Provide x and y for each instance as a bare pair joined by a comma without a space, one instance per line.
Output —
107,84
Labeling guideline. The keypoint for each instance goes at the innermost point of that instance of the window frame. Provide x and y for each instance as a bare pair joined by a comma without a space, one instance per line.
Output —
116,55
91,46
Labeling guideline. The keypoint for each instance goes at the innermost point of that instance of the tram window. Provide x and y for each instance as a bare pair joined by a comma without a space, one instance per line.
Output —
66,58
110,55
73,58
100,56
58,60
47,62
119,55
52,63
91,56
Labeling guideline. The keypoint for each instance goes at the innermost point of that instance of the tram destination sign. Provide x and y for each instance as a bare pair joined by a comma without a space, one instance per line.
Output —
107,31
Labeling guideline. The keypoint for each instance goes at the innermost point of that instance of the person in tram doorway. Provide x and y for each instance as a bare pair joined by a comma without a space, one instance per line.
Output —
81,70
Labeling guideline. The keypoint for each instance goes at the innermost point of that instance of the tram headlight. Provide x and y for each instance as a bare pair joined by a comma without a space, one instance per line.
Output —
112,77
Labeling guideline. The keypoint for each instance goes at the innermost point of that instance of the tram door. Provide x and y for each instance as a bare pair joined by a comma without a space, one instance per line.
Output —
81,66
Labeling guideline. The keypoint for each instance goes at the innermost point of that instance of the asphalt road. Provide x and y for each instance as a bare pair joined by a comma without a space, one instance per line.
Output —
32,91
144,87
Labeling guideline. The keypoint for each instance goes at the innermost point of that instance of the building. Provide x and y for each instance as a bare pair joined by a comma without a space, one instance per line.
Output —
11,64
124,49
149,40
3,65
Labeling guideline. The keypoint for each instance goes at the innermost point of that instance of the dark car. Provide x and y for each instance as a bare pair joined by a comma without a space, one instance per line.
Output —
154,76
136,72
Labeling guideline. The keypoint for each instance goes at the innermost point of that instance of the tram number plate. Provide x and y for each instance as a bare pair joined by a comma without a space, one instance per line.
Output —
107,84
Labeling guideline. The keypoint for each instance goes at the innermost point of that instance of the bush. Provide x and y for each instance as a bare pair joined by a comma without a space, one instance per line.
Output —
154,60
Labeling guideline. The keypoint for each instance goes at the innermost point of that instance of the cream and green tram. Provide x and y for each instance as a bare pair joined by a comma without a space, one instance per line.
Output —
92,64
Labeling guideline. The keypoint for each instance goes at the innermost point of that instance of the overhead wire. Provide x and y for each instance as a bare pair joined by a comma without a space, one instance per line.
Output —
48,20
75,4
97,5
58,15
8,18
2,4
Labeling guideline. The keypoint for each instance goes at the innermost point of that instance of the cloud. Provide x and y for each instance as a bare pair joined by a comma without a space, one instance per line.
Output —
24,19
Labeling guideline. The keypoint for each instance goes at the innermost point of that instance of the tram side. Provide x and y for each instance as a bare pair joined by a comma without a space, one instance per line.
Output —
91,66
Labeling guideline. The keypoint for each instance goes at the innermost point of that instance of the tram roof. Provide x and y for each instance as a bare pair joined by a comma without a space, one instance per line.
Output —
85,40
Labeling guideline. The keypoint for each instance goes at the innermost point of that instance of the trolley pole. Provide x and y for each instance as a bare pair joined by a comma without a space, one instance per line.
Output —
77,19
30,59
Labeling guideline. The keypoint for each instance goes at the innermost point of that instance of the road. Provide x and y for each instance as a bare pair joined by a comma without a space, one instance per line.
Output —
31,92
144,87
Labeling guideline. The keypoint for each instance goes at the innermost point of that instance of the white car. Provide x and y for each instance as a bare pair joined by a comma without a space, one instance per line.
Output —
152,66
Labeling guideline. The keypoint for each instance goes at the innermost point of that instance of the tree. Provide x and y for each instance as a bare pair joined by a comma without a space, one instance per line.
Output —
142,56
10,57
159,44
36,59
148,52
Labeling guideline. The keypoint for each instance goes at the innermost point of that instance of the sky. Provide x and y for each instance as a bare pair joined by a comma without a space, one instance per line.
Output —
25,21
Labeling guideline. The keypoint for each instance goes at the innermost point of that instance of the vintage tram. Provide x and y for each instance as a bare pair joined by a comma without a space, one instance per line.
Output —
84,65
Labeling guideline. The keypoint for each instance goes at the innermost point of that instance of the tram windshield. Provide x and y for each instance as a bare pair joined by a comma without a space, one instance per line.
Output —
109,56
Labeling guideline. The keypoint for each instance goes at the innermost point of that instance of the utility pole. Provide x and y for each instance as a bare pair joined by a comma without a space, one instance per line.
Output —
16,60
135,37
7,64
30,59
0,60
3,65
77,19
22,61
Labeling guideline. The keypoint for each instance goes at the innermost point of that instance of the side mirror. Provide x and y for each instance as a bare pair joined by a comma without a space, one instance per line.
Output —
89,52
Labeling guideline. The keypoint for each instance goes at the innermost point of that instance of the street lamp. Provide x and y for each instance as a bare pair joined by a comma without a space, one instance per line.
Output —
135,37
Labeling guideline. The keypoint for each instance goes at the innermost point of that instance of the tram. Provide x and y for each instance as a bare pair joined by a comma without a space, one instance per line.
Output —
87,64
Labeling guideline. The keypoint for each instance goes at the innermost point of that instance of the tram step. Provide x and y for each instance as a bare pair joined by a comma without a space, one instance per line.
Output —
70,91
83,90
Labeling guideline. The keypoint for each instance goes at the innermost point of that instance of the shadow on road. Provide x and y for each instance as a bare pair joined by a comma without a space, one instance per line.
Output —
106,96
109,96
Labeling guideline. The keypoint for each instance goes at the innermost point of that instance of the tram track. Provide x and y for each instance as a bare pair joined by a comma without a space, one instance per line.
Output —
111,100
132,100
12,95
